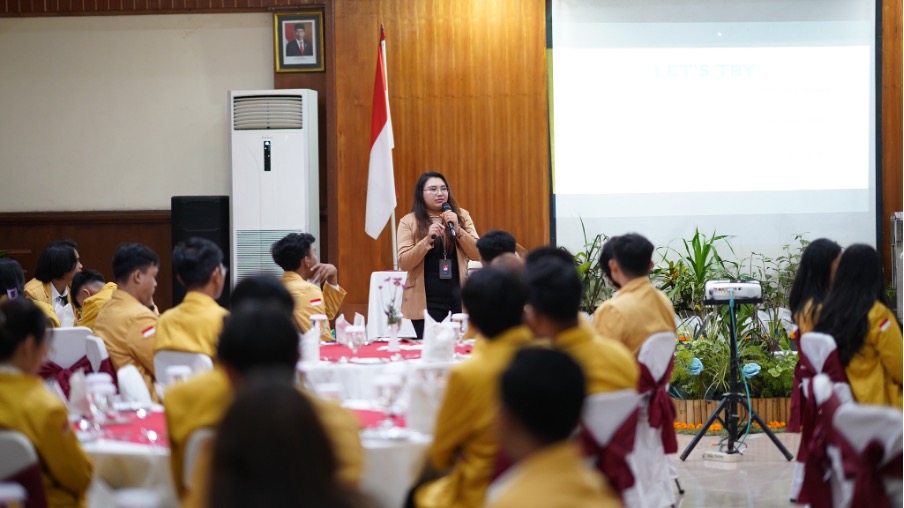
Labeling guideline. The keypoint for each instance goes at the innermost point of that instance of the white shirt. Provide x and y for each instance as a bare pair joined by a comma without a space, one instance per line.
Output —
64,312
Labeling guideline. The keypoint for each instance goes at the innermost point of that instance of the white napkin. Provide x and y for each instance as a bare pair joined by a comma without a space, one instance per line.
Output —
439,339
427,386
341,325
310,345
78,394
359,319
131,385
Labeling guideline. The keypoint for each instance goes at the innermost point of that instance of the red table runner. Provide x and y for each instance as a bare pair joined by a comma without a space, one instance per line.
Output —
131,429
333,352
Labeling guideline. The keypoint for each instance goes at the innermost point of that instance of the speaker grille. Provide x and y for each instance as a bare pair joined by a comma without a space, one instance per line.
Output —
253,252
258,112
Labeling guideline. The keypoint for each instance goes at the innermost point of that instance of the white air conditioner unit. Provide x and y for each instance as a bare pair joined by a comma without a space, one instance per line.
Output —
275,189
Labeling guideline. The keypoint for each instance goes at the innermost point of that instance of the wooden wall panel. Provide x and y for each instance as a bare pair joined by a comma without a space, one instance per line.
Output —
892,133
98,235
467,93
131,7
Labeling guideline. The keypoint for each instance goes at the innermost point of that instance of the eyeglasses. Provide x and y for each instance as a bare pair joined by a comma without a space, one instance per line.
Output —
437,190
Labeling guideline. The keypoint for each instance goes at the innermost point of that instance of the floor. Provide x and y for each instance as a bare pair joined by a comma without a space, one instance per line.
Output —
761,478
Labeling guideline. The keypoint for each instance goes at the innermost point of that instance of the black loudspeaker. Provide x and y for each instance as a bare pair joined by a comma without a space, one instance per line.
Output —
205,217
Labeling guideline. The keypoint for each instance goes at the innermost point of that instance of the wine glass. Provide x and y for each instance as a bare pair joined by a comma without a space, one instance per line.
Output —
388,387
321,321
355,338
100,402
462,319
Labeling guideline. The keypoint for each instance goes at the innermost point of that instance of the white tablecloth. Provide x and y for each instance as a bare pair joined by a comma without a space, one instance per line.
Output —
376,304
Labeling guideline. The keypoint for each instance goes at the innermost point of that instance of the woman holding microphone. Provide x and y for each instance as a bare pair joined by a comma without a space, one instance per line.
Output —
436,240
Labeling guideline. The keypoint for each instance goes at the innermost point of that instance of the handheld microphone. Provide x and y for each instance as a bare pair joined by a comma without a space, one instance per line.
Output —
448,208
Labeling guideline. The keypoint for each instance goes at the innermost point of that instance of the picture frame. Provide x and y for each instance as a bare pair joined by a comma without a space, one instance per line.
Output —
298,41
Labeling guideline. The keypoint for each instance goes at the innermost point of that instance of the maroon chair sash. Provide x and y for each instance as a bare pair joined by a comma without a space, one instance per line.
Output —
611,460
30,479
816,489
50,370
106,366
866,470
806,412
660,410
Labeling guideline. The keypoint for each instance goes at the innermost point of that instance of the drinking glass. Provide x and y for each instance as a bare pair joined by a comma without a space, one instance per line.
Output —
462,319
100,402
355,338
388,388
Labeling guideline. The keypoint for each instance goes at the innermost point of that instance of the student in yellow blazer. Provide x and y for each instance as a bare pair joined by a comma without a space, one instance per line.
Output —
57,265
538,416
815,273
553,302
638,310
26,405
85,284
865,329
258,336
92,305
126,322
436,261
303,273
464,442
194,325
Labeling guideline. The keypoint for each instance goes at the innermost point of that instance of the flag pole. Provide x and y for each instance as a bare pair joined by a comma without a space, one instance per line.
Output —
392,225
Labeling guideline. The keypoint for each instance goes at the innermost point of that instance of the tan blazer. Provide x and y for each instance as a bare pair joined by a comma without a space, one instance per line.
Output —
411,259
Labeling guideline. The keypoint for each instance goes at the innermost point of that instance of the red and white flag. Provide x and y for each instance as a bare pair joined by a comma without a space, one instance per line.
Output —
381,195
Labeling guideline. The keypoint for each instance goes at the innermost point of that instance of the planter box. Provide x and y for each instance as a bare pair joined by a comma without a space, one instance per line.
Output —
697,411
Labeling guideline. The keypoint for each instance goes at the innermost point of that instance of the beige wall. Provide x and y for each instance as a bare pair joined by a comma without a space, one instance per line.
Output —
122,112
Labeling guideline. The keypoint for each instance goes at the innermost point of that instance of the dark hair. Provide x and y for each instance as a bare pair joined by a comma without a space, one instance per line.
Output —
495,300
271,449
419,206
494,243
547,251
289,250
56,260
544,390
262,288
811,284
195,260
858,286
299,26
633,254
20,318
259,336
605,256
11,276
554,289
86,276
130,257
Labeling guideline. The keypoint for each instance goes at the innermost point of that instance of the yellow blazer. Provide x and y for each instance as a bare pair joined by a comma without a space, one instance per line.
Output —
636,312
553,477
91,306
875,371
203,400
193,326
310,300
465,439
411,259
608,365
128,330
27,406
40,293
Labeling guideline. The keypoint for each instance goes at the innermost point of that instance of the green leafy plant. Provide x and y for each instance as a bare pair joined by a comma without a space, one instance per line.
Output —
682,278
596,289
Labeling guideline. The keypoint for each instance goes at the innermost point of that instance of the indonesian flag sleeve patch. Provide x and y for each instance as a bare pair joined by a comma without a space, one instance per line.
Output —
316,302
147,332
884,325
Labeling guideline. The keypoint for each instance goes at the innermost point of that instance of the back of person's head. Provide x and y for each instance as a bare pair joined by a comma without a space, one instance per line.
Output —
857,287
84,279
545,251
20,318
272,450
130,257
262,288
56,260
494,243
633,253
508,261
195,260
495,300
259,336
605,257
288,251
554,289
12,278
814,274
543,390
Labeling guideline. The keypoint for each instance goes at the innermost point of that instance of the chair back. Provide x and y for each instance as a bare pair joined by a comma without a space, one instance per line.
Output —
97,352
656,354
68,345
163,360
132,387
197,441
819,351
605,412
871,437
608,432
19,464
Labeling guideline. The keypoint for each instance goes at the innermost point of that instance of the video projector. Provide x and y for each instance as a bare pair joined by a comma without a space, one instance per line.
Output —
721,292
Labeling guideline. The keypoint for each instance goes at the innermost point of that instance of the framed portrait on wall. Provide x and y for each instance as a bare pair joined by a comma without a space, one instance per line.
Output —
298,41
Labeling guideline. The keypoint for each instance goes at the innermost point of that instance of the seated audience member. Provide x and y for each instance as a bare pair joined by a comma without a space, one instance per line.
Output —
12,283
494,243
304,274
272,450
464,442
86,283
194,325
28,407
865,329
534,429
258,335
815,273
553,300
57,265
126,322
508,261
90,305
638,310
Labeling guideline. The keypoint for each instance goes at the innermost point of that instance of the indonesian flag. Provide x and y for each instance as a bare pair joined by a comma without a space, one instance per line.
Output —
381,195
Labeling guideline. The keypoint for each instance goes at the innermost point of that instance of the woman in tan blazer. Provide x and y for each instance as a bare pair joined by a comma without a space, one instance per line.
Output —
436,261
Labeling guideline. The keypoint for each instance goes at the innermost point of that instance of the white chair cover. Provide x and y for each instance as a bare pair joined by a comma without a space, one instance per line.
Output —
96,350
132,386
68,345
196,441
602,415
16,453
821,388
862,424
195,361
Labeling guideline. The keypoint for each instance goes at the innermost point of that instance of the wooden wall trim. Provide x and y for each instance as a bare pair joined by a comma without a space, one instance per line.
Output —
94,217
37,8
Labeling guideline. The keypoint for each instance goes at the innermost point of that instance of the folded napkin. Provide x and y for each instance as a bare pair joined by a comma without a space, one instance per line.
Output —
78,394
359,319
439,339
341,325
131,385
310,345
427,387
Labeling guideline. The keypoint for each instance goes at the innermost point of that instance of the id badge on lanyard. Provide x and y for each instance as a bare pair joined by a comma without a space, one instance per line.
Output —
445,268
